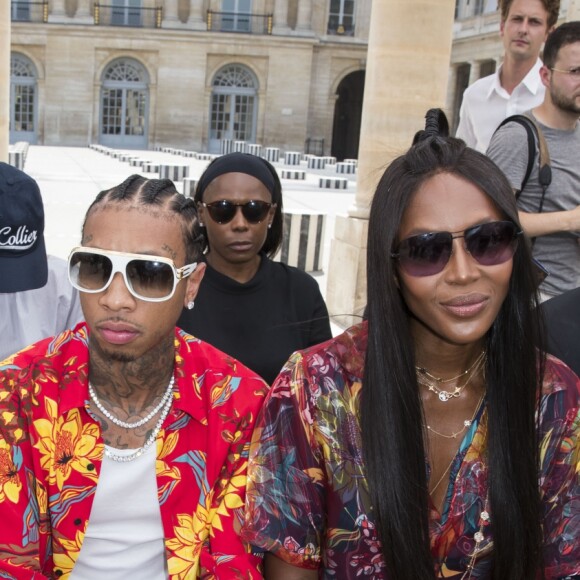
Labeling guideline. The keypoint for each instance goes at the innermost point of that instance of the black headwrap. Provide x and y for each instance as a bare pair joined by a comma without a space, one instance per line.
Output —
238,163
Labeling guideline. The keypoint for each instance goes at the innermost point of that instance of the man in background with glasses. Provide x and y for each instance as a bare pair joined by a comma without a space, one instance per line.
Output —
123,443
36,299
550,215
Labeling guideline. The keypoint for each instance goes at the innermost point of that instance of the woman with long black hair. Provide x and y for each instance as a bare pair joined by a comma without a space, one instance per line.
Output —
435,439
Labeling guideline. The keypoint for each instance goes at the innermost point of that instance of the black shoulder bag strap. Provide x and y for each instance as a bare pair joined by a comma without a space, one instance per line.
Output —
545,171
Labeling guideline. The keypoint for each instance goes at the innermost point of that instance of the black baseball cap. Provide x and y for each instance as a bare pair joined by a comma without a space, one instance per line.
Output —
23,261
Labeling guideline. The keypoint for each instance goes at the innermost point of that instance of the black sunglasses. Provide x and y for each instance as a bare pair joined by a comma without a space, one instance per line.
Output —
489,244
223,211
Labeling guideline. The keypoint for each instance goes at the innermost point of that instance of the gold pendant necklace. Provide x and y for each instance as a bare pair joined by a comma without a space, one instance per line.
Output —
425,378
467,423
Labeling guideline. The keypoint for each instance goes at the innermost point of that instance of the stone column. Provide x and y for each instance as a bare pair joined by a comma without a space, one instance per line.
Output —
4,79
197,18
474,71
83,12
280,24
303,20
406,74
573,12
170,19
57,11
451,90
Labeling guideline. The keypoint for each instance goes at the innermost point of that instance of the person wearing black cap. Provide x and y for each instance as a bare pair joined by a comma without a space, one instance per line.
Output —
256,310
36,298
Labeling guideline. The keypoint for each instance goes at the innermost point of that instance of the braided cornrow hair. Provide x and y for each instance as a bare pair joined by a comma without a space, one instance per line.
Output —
138,190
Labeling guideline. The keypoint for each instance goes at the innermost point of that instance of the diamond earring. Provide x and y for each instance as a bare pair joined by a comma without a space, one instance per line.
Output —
190,305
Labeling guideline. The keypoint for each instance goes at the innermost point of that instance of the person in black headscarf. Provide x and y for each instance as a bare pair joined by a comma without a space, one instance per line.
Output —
257,310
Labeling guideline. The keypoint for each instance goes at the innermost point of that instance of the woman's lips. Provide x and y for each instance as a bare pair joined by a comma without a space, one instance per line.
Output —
466,306
240,246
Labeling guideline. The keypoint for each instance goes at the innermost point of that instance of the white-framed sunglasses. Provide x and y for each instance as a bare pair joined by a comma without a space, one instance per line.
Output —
149,278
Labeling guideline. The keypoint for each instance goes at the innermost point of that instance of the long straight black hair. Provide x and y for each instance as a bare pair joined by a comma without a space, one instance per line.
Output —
391,409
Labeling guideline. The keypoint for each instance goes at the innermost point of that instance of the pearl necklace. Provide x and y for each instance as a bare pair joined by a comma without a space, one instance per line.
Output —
150,440
146,419
425,378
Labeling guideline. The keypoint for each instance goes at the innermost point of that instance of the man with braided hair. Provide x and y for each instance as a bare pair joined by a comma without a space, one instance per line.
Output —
124,442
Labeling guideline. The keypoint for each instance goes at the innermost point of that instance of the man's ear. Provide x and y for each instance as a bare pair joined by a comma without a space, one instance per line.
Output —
193,282
545,75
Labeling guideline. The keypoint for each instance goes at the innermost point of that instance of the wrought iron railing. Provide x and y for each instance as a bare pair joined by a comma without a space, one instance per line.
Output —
241,22
24,11
129,16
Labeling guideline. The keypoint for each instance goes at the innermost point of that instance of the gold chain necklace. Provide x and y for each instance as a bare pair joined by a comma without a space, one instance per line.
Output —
442,477
425,378
467,423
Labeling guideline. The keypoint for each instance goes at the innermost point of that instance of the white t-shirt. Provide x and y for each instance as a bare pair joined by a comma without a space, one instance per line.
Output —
124,537
30,316
486,104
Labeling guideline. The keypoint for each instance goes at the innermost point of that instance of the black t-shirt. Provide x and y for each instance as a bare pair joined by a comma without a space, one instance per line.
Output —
562,314
262,322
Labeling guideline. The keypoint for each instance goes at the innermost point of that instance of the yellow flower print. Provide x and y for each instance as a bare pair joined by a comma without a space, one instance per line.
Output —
165,445
64,561
65,444
10,484
193,532
230,500
190,533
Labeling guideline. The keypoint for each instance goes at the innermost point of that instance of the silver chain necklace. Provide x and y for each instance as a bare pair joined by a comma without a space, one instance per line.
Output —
150,440
146,419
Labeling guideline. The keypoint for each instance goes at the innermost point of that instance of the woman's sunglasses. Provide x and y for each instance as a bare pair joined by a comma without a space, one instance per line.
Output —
427,254
223,211
149,278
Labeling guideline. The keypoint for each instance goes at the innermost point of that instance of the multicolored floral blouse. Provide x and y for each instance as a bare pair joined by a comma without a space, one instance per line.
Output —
51,451
308,500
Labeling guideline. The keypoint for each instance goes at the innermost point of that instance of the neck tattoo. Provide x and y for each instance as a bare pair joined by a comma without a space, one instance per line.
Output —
163,407
146,419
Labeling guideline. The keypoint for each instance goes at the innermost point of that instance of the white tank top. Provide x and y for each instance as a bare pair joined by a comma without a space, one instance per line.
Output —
124,538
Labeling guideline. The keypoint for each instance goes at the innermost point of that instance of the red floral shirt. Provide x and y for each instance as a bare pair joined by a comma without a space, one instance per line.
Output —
51,451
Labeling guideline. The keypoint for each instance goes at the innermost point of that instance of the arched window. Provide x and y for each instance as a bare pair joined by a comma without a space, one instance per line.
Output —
234,106
124,105
23,99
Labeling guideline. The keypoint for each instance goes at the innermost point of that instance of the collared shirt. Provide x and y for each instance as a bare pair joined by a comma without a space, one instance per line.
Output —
308,500
486,104
51,451
32,315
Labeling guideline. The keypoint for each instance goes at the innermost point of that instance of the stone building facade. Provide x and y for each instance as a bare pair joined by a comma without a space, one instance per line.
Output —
189,73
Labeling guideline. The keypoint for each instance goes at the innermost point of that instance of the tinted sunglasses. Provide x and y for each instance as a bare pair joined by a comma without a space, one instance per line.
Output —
150,278
223,211
427,254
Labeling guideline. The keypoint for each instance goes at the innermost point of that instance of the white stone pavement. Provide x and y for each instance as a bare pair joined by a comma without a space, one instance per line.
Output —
70,177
